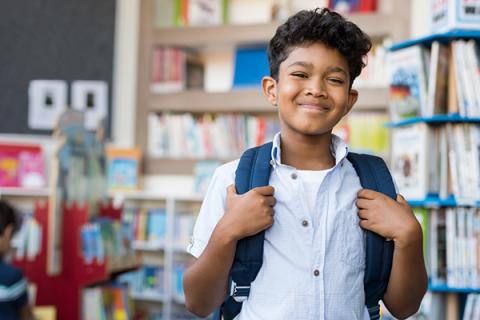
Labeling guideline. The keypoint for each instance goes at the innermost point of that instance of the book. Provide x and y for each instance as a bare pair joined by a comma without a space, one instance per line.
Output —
206,12
437,79
157,225
164,13
203,172
218,71
408,84
438,247
422,215
251,65
411,160
22,165
123,168
447,15
250,11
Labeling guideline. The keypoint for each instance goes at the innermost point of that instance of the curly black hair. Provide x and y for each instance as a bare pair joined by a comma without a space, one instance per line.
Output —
319,25
8,216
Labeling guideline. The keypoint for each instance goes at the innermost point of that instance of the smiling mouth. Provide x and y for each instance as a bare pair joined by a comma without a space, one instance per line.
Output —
314,107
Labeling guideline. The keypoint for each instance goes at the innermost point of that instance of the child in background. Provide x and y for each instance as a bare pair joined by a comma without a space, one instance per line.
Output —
13,285
314,212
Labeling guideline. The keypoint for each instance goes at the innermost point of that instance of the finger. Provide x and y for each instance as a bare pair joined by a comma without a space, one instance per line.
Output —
363,214
363,203
367,194
231,190
365,224
271,201
269,211
401,199
265,191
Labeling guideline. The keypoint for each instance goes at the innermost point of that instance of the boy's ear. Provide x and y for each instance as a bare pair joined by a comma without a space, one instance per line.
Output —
352,98
8,231
269,86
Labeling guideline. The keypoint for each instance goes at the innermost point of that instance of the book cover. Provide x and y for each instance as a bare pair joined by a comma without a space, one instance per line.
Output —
437,82
205,12
422,216
31,170
407,81
251,65
164,13
21,166
157,225
410,161
203,172
123,168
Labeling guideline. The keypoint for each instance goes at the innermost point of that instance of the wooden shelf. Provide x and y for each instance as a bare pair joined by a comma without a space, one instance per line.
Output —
245,100
393,22
377,25
169,166
242,100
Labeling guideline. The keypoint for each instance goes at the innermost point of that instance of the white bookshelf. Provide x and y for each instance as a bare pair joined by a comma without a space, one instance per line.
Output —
149,296
169,249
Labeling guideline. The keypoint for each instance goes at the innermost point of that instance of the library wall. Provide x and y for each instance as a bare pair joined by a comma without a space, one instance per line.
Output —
53,40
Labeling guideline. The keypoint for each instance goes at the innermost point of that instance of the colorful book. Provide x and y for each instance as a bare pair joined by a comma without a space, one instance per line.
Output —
123,169
408,82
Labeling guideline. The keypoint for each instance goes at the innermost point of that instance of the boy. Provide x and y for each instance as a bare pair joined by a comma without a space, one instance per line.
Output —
13,286
314,209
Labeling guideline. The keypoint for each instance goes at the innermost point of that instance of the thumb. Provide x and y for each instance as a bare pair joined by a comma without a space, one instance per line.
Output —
231,190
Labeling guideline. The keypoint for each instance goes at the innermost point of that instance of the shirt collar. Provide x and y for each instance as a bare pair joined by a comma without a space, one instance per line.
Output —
338,148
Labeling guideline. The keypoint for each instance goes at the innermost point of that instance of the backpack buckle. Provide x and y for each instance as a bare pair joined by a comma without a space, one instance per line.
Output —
239,293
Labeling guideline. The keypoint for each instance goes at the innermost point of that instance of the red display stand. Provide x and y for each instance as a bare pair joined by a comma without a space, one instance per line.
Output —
64,291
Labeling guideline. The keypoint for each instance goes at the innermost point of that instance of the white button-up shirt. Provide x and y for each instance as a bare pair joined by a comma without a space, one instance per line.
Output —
313,259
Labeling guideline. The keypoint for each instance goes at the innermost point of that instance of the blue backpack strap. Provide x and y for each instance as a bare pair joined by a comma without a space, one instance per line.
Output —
253,171
374,175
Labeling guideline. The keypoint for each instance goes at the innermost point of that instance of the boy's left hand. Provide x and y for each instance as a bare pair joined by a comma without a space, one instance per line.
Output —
389,218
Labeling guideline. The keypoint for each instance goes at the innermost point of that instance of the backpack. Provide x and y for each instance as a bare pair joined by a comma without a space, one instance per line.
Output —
254,171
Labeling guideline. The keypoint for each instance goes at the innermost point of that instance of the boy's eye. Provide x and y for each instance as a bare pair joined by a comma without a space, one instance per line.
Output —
300,75
336,80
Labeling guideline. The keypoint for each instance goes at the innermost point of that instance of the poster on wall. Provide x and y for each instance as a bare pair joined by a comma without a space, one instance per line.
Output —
47,99
92,98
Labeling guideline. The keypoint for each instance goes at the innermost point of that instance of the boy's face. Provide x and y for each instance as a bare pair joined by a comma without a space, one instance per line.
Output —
312,92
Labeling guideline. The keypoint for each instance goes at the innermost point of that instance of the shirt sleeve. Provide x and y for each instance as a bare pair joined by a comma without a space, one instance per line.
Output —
17,292
213,208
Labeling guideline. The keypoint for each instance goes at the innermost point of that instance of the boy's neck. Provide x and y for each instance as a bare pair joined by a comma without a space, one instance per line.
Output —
307,152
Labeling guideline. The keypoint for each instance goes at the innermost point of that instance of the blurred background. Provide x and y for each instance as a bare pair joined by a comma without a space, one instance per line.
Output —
114,115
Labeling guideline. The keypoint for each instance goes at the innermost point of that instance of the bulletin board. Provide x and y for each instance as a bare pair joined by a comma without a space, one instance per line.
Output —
54,40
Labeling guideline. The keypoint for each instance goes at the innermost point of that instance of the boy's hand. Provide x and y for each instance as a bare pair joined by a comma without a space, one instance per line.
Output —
389,218
249,213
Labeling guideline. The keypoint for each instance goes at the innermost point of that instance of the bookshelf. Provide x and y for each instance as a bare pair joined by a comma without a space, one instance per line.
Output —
64,290
392,22
166,253
451,203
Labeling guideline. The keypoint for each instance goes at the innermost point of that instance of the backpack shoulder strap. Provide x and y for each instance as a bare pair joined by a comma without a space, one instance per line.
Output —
374,175
253,171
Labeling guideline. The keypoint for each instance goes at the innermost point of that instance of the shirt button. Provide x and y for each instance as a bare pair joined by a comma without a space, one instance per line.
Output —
305,223
293,176
316,273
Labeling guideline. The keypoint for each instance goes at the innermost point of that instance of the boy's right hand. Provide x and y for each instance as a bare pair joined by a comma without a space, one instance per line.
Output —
249,213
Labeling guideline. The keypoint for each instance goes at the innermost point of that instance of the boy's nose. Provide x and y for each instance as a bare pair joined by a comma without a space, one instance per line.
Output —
317,90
